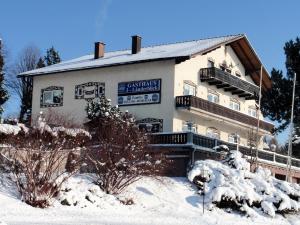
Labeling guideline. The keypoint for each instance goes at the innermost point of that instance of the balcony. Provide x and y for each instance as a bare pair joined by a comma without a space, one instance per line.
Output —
228,82
189,101
197,141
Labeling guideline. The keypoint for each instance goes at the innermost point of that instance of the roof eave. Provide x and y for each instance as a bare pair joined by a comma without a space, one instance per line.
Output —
180,58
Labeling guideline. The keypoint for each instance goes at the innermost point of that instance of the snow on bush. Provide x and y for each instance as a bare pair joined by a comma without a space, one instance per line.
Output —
81,192
230,184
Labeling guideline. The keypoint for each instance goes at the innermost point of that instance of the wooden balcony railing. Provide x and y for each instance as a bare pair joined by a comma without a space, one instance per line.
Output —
190,139
189,101
229,82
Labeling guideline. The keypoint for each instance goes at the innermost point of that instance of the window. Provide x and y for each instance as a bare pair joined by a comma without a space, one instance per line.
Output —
189,88
222,68
252,111
89,90
233,138
213,96
189,126
51,97
234,104
228,70
210,63
237,74
213,132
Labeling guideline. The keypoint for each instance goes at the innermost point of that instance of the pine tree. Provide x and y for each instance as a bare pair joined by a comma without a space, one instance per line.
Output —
3,92
40,63
52,57
276,103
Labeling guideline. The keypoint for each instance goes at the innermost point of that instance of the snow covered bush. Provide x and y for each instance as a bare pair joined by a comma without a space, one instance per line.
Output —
230,184
119,155
39,155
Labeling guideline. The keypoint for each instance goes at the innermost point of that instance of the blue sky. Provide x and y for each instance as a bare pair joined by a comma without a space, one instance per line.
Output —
73,26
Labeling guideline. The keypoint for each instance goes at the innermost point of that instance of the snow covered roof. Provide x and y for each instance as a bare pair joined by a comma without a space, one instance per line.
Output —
158,52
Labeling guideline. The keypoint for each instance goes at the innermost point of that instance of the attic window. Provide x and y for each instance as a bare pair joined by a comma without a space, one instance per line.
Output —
51,97
210,63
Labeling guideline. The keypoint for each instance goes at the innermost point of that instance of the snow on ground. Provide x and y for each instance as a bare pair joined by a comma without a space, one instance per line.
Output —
160,201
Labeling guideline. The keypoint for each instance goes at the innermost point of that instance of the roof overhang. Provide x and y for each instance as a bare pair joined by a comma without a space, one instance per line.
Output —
250,60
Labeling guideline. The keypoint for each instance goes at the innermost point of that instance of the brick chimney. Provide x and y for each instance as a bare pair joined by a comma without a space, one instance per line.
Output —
99,50
136,44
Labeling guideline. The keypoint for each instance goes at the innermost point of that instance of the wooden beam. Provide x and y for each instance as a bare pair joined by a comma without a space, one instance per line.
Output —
230,89
222,85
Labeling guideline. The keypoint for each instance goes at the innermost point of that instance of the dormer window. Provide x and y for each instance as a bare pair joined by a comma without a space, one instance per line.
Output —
189,88
234,104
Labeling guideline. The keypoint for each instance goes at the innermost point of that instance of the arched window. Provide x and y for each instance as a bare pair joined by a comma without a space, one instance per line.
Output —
234,104
213,132
213,96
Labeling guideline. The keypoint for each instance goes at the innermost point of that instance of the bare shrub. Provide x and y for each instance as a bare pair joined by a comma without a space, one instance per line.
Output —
39,156
119,153
55,118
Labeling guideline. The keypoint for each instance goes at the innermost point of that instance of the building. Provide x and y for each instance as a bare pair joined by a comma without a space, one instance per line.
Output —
195,94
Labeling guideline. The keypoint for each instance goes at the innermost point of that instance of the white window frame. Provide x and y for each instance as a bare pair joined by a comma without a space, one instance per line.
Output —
235,105
189,89
252,112
189,126
215,97
210,63
213,132
232,138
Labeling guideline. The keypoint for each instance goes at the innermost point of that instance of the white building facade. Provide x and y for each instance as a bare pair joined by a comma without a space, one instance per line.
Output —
208,86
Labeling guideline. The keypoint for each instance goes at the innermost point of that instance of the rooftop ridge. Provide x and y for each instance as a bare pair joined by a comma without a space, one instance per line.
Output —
177,42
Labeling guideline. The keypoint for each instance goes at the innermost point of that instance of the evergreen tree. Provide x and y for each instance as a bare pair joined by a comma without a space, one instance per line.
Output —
40,63
3,92
276,103
52,57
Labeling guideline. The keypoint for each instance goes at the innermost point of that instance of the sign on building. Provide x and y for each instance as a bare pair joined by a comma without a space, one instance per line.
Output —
139,92
89,90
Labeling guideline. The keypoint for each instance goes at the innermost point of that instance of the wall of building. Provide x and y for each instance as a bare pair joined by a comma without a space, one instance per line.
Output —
111,76
189,70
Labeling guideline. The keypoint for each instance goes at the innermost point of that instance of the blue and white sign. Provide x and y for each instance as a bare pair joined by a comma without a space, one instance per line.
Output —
139,92
139,86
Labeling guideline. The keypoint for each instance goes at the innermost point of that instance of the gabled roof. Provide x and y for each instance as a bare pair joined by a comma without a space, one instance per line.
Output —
181,51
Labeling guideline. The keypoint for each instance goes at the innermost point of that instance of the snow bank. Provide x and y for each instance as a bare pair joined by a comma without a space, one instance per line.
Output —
231,184
9,129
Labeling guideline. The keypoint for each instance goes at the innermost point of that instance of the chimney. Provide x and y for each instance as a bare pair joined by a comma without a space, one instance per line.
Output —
99,50
136,44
